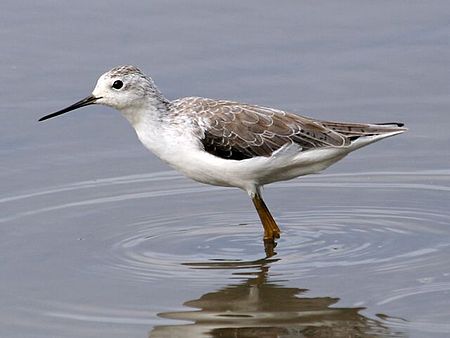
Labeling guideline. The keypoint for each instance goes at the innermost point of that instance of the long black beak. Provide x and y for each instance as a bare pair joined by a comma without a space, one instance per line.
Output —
91,99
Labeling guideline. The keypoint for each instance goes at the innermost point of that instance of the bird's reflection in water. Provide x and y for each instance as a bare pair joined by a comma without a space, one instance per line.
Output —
258,308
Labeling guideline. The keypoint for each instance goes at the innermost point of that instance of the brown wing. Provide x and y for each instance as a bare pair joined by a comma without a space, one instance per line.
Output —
238,131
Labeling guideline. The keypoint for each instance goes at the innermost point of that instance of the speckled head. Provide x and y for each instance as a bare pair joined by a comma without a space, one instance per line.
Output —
122,88
125,86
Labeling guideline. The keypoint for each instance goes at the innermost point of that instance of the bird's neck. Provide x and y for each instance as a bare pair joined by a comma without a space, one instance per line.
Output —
148,119
148,111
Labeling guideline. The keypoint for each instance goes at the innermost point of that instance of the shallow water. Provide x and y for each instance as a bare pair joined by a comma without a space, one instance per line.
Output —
98,238
91,265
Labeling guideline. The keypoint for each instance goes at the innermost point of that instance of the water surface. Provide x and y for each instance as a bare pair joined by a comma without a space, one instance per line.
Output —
99,238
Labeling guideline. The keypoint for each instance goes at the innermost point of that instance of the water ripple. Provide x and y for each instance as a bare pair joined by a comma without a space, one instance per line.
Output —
199,244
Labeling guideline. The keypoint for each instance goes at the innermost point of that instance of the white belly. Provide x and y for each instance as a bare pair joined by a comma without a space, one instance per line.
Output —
250,173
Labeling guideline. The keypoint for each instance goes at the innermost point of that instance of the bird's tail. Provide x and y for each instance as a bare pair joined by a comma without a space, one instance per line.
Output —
356,130
361,134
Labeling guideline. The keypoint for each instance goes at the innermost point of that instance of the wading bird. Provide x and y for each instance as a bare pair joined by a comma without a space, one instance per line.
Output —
227,143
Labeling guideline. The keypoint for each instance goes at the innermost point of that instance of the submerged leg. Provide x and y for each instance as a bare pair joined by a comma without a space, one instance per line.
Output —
271,229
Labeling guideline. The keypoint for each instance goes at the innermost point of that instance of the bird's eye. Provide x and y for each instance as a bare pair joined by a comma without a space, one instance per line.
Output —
117,84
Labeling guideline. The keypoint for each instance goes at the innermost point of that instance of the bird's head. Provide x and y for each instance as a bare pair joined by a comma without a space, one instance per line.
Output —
124,88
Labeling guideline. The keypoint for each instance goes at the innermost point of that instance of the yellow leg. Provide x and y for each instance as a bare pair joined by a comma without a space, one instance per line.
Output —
271,229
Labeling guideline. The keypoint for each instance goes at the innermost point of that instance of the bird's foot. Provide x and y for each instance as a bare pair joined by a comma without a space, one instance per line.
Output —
269,247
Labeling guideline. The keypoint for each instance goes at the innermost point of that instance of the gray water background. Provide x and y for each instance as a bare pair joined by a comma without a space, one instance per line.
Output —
101,239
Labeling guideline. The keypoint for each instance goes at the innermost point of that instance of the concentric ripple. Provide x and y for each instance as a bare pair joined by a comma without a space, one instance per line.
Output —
335,237
158,248
161,227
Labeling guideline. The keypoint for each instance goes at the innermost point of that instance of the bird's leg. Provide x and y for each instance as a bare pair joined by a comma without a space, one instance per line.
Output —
271,229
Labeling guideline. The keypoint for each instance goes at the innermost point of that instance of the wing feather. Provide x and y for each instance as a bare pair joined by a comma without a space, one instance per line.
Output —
239,131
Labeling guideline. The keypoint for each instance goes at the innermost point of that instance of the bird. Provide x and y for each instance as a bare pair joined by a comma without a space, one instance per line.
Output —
227,143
